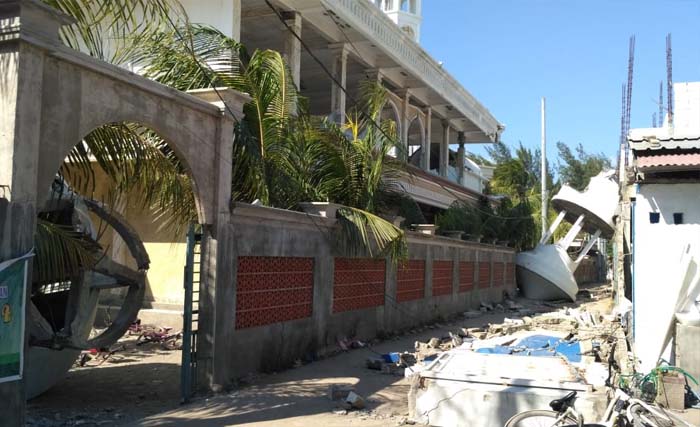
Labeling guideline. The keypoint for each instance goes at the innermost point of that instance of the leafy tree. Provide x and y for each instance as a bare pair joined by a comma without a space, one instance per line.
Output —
479,159
577,167
499,152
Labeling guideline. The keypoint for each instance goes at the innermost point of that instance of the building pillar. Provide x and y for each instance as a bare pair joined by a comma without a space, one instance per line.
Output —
445,148
339,70
292,45
425,148
236,21
461,158
403,137
375,74
22,88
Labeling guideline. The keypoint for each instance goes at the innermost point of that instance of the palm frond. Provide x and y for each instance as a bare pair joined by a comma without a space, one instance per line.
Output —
140,166
362,233
61,252
102,28
189,57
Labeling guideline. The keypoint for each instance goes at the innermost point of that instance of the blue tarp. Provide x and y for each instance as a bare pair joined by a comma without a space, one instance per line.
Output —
539,345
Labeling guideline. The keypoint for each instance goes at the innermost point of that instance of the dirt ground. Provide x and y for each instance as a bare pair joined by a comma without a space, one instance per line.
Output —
140,387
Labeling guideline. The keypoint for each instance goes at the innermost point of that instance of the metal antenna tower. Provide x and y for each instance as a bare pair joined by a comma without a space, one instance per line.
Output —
623,135
653,120
628,99
661,104
669,79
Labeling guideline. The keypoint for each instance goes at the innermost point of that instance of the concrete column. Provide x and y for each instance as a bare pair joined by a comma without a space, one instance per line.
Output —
292,45
461,157
456,256
339,70
390,287
324,269
21,92
444,148
375,74
405,124
429,272
236,21
425,159
219,253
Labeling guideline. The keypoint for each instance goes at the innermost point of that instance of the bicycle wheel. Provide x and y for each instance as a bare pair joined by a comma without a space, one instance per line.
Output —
172,343
539,418
642,417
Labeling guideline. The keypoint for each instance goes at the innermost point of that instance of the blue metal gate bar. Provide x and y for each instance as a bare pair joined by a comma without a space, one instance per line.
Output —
188,370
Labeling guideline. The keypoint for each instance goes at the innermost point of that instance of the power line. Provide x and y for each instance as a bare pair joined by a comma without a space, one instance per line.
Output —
355,102
328,73
199,65
325,69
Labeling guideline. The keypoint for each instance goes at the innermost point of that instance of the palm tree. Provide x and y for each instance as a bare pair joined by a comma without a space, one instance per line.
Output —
130,155
282,156
268,162
368,176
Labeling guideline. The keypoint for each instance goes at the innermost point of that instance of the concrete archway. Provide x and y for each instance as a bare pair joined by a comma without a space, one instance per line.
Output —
391,111
415,140
193,128
53,96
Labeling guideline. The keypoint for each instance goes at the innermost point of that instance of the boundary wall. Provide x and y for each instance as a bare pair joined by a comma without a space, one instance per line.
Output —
290,295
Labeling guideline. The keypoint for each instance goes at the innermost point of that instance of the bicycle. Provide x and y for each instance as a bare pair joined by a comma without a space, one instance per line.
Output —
99,354
162,336
155,334
622,411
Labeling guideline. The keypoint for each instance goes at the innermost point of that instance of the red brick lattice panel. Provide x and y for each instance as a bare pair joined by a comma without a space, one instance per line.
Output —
510,274
498,273
358,283
484,274
410,281
442,278
466,276
273,289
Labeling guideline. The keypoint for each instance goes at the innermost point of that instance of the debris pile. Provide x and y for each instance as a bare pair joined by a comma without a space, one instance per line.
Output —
579,335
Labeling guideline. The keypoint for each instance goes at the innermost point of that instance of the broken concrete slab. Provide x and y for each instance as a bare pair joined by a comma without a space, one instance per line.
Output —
339,391
355,400
493,387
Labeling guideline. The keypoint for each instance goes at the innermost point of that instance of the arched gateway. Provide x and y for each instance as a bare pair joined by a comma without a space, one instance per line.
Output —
52,96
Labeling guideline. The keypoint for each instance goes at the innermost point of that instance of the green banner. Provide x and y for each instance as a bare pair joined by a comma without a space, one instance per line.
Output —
13,276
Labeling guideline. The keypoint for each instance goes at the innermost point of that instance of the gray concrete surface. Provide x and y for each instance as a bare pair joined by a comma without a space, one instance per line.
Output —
53,96
260,231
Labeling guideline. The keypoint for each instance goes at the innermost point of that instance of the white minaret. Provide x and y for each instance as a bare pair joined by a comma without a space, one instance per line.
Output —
405,13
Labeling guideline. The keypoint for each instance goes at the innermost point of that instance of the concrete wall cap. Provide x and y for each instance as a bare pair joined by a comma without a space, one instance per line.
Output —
264,213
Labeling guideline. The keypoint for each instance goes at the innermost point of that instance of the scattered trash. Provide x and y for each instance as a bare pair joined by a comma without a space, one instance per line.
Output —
355,400
472,314
485,306
346,344
339,391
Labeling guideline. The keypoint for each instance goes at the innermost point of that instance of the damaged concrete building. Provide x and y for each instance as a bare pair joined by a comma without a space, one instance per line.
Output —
658,247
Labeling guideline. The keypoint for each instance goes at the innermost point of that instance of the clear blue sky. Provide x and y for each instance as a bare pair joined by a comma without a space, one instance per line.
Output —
509,53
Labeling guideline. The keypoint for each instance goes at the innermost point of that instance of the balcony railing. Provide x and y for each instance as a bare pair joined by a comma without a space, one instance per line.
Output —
367,19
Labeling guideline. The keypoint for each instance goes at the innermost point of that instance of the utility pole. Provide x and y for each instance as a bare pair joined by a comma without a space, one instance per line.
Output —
543,170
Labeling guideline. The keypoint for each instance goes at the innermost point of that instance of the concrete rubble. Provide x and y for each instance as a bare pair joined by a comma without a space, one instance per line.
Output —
555,351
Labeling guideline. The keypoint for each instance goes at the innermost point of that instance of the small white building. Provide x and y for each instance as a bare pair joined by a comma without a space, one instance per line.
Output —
664,213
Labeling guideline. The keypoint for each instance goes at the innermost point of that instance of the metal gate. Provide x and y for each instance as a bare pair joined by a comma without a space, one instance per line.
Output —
192,280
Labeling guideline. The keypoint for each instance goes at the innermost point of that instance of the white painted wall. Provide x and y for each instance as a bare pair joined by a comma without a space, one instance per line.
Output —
657,253
224,15
686,113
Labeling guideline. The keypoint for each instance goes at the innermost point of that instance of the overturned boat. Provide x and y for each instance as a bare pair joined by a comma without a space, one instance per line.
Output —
547,272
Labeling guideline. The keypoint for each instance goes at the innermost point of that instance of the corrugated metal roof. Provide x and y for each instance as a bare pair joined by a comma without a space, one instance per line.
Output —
653,142
678,161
